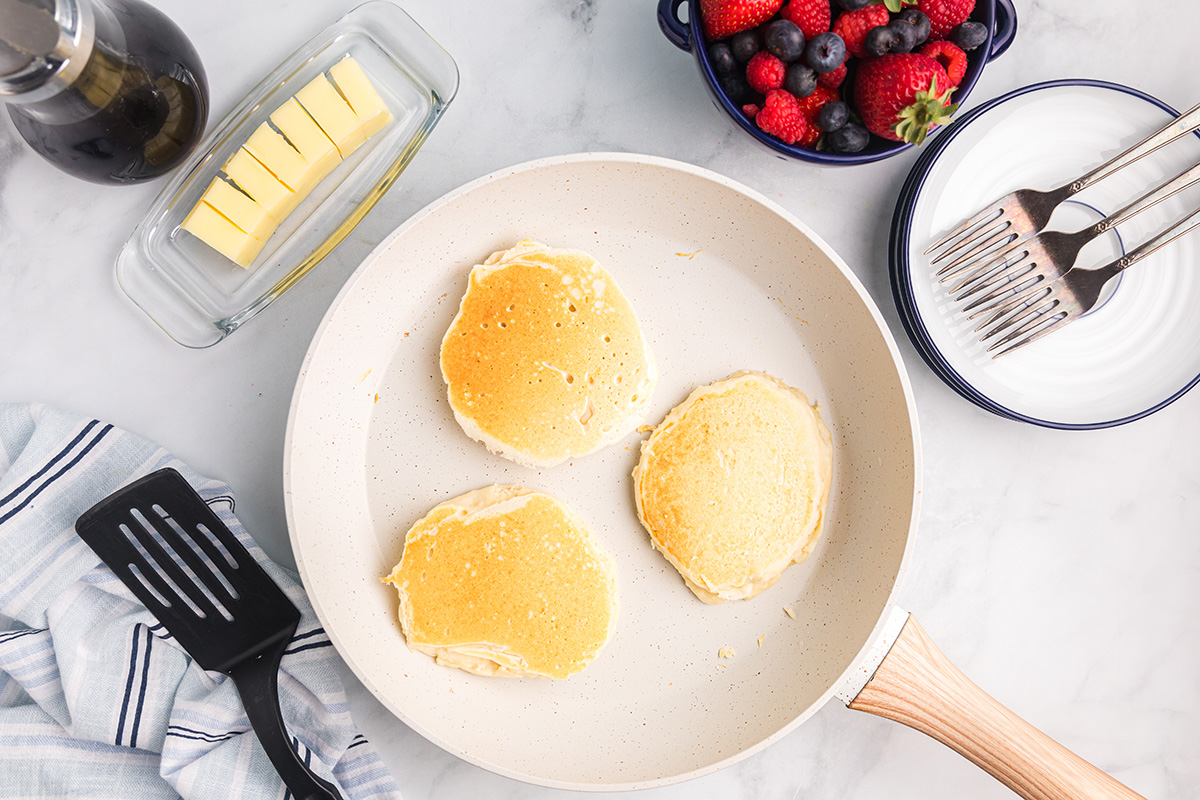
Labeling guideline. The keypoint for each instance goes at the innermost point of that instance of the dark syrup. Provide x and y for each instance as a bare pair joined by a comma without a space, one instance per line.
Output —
137,109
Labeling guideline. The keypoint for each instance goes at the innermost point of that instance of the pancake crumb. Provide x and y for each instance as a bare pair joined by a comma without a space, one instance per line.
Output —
760,639
788,610
726,652
691,255
645,428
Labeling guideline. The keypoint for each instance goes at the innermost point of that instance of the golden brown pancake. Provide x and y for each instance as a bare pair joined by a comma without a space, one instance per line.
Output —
732,485
506,581
545,359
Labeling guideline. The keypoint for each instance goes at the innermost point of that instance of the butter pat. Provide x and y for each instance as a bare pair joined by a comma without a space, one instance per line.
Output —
257,181
274,153
308,138
207,225
239,209
336,118
356,87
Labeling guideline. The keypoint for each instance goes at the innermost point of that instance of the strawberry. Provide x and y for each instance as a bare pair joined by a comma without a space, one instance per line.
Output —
811,16
723,18
853,26
945,14
901,96
780,116
950,56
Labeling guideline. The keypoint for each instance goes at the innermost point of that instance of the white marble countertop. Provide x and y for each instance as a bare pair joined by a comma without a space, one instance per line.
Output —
1060,570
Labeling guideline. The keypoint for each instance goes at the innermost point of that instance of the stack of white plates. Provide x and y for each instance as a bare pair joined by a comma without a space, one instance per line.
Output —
1139,349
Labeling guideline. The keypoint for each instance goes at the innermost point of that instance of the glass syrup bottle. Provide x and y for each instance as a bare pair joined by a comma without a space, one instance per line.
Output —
110,91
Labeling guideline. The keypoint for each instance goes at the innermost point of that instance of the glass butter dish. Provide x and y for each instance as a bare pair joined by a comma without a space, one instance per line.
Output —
198,296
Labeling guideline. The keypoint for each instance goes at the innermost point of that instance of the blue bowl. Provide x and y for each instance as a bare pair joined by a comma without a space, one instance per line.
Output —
998,16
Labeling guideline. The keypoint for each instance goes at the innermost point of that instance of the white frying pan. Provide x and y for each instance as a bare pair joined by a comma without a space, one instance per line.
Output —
722,279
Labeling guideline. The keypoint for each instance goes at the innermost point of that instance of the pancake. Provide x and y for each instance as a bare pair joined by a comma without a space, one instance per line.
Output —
506,581
545,359
732,485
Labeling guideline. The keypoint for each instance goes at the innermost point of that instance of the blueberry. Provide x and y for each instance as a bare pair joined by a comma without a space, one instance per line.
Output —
721,58
800,80
850,138
918,21
744,45
878,41
854,5
904,36
738,89
833,115
825,52
784,40
969,35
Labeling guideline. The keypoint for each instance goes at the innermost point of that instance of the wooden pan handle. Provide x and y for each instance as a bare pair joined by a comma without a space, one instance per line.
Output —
917,685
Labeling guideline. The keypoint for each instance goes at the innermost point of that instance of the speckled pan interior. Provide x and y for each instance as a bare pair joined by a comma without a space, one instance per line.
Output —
722,280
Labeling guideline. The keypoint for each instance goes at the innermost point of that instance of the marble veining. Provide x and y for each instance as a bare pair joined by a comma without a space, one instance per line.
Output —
1059,570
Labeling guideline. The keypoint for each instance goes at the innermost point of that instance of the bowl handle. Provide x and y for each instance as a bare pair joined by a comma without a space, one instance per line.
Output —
672,26
918,686
1005,29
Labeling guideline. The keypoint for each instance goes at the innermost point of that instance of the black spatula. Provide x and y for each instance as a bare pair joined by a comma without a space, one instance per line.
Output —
165,543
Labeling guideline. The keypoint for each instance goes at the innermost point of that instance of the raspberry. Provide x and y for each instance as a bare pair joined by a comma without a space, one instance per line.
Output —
945,14
833,79
811,16
950,56
809,106
750,110
853,26
781,116
765,72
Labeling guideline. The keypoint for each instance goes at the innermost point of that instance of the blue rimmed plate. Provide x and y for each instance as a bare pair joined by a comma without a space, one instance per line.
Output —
1140,348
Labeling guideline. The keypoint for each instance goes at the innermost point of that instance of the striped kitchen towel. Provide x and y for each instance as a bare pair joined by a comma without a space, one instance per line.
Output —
96,698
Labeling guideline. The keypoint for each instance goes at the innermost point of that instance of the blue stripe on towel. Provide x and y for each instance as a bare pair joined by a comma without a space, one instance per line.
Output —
49,463
57,475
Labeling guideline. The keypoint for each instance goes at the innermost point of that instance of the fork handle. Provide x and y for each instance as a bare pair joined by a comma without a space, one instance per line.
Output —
1184,124
1152,198
1185,225
257,682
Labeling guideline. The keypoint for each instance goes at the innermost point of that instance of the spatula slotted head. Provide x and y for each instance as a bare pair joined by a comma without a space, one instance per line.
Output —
164,542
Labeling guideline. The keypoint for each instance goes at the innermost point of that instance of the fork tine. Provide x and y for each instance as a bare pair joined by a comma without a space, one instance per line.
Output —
1004,302
1003,237
972,238
998,266
1010,305
995,210
1020,318
1012,278
1067,316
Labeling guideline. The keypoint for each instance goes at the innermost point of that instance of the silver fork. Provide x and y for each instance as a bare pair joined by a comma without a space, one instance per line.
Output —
1019,269
1025,212
1066,299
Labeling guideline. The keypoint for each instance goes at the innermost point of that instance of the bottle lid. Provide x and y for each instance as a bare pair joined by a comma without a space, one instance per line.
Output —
44,45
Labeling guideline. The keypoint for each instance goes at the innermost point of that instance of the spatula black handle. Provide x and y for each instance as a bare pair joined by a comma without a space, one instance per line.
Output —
257,682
